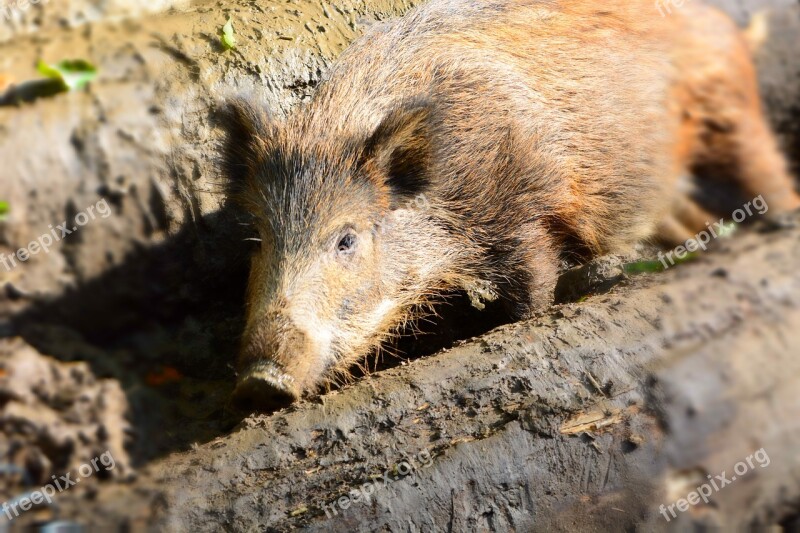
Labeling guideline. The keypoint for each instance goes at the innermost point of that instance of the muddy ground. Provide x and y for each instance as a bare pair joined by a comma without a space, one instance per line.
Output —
122,337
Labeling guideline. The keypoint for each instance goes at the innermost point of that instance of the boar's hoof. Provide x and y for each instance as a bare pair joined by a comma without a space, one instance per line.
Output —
264,387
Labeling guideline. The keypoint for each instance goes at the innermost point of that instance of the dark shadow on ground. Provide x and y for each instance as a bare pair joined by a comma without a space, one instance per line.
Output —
166,324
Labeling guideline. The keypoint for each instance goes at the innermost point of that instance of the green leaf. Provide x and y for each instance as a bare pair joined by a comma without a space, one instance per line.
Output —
4,209
228,40
647,267
728,229
71,73
641,267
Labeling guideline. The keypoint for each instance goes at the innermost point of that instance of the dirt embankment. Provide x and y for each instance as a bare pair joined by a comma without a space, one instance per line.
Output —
588,418
145,280
26,17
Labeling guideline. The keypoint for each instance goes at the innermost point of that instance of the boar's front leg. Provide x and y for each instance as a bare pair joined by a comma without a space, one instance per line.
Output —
534,269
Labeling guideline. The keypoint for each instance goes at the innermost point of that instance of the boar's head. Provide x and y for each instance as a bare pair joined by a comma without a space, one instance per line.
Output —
349,247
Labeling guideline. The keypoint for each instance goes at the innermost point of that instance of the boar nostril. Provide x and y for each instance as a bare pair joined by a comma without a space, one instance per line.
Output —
264,387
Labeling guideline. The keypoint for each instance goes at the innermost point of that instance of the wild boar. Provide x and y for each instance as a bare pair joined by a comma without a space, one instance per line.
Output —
474,145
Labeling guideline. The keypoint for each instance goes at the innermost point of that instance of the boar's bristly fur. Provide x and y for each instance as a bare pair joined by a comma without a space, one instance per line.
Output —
477,146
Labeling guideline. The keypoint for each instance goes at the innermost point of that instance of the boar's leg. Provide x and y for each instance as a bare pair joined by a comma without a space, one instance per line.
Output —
762,169
686,219
731,140
538,261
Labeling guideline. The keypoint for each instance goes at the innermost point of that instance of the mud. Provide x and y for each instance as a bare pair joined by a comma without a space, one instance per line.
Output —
56,417
25,17
158,283
587,418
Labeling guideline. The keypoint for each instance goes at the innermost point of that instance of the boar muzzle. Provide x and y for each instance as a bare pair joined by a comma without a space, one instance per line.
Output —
264,386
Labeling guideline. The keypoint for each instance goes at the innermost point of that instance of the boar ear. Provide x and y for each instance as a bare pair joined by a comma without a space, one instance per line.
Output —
399,150
248,129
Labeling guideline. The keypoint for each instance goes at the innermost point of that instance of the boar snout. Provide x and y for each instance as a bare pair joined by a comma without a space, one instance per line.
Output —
264,386
275,363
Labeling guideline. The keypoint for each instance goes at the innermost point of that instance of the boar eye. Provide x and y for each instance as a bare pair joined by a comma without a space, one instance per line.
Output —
347,244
